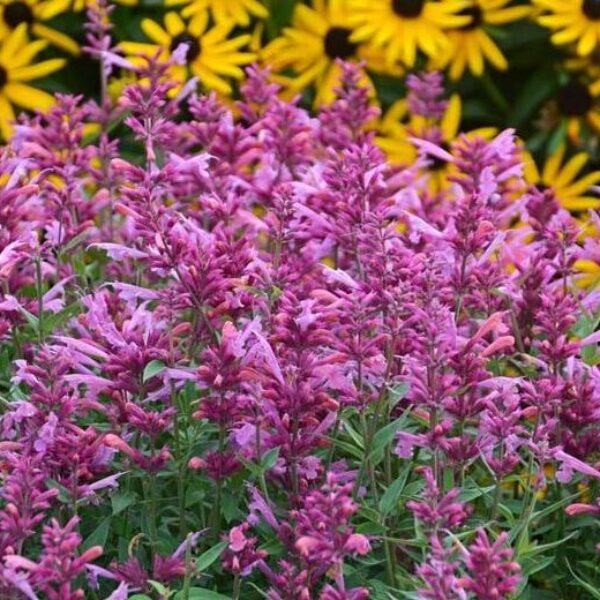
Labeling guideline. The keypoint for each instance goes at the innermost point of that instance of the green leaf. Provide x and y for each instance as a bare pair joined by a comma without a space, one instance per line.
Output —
139,597
210,556
255,469
391,496
154,367
99,536
558,137
270,458
159,587
74,241
31,319
533,565
469,494
542,514
122,500
534,550
63,492
592,589
197,593
537,89
385,436
356,437
398,392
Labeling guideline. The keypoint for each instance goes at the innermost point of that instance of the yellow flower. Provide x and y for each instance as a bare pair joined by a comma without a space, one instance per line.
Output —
573,21
403,27
16,56
563,178
397,126
577,102
471,45
34,13
210,56
318,36
238,11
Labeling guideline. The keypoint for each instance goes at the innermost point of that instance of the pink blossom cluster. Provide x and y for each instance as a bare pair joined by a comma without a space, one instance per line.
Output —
240,330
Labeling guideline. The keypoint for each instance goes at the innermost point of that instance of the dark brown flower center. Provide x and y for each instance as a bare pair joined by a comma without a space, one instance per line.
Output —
193,46
476,17
16,13
574,99
410,9
591,9
3,77
338,44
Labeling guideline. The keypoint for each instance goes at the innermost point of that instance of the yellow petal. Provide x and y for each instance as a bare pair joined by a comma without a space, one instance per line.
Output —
310,20
155,32
210,80
48,10
530,170
474,58
571,170
451,119
27,54
37,70
587,42
174,24
492,51
28,97
13,43
56,38
7,116
507,15
552,165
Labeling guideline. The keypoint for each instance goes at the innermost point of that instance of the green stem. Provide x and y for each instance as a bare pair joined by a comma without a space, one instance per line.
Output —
497,493
180,465
187,580
390,562
152,505
366,463
216,513
494,93
334,435
237,587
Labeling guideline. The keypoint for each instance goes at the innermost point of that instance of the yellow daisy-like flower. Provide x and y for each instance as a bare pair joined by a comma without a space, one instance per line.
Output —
403,27
573,21
397,127
238,11
34,13
16,68
318,36
471,45
563,178
577,102
211,56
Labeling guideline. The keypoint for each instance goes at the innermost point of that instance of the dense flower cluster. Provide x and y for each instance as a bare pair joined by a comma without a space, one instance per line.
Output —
244,354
